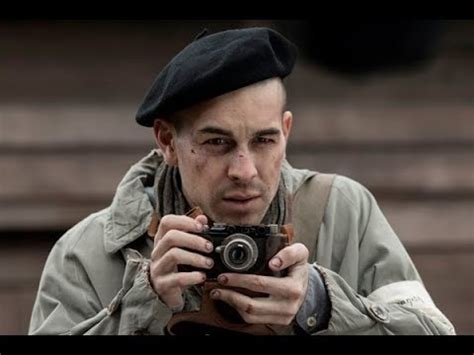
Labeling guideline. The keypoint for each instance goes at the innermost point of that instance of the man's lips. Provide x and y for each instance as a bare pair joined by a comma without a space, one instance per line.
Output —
239,202
240,198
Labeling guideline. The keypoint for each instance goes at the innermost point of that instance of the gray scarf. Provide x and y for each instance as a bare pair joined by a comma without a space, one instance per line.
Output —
170,198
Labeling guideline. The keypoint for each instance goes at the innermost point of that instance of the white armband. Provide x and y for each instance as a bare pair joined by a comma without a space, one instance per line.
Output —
405,293
409,294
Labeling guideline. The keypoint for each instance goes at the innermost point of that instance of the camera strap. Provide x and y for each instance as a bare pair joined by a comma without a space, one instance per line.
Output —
309,205
213,319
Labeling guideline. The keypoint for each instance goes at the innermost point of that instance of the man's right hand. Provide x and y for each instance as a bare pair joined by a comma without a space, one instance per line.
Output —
173,237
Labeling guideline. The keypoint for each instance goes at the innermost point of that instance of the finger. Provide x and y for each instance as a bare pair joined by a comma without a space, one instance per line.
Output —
169,287
182,223
180,280
253,309
275,286
202,219
176,256
293,254
173,298
179,239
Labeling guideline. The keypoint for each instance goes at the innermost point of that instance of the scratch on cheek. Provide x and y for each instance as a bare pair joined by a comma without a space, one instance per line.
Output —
193,151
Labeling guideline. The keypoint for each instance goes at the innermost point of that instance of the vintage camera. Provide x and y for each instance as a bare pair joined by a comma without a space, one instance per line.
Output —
242,248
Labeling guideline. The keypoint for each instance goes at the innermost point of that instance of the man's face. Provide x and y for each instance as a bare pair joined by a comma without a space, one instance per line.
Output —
230,150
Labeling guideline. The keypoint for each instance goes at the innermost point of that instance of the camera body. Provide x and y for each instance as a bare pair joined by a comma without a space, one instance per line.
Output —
242,249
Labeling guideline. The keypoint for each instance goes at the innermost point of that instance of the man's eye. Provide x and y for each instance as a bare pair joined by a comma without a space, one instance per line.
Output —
265,140
216,141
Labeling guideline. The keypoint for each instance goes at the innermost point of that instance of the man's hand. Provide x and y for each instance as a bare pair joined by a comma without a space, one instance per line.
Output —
286,294
171,240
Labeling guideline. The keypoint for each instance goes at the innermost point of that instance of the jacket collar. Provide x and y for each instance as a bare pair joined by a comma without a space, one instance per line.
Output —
294,178
131,210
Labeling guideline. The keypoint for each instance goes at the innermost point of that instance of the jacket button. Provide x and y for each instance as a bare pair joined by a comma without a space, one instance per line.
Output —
311,321
379,313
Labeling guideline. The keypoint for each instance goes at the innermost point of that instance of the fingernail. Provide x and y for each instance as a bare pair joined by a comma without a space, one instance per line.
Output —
215,293
209,262
222,279
276,262
209,246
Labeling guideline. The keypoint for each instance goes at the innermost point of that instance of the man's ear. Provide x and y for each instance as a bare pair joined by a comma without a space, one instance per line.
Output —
165,137
287,122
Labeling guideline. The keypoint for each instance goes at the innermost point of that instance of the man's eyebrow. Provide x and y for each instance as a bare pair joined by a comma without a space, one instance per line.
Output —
267,132
224,132
215,130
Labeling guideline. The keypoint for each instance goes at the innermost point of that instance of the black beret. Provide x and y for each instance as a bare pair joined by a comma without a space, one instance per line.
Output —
215,64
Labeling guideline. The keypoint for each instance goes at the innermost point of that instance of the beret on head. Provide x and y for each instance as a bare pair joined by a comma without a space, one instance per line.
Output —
214,65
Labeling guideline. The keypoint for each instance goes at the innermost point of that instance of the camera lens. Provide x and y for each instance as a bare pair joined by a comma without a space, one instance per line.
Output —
240,252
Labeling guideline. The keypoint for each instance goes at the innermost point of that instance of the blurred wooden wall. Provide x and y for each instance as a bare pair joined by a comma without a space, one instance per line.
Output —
69,92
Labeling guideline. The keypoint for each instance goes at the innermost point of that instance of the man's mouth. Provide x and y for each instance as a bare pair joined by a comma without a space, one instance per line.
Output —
240,200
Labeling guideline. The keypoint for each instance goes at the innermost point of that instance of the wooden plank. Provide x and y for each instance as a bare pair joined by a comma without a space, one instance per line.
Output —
47,215
63,175
435,225
441,171
54,125
316,122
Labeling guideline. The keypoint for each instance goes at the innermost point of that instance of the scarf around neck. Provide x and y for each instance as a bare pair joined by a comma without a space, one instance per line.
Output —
170,199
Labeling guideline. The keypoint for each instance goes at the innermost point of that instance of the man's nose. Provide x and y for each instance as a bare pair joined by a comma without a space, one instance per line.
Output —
242,167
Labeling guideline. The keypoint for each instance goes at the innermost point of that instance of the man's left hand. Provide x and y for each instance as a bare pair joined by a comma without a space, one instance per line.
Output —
286,294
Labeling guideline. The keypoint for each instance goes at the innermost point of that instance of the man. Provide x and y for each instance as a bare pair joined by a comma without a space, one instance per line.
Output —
218,112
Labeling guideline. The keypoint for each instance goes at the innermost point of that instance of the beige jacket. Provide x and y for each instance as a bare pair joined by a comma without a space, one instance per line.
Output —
95,281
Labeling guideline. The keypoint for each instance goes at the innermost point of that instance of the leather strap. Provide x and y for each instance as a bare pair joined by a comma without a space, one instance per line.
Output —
210,319
308,212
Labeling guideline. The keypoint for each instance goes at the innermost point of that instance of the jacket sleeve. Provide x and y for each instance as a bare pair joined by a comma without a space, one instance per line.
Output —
68,302
373,285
